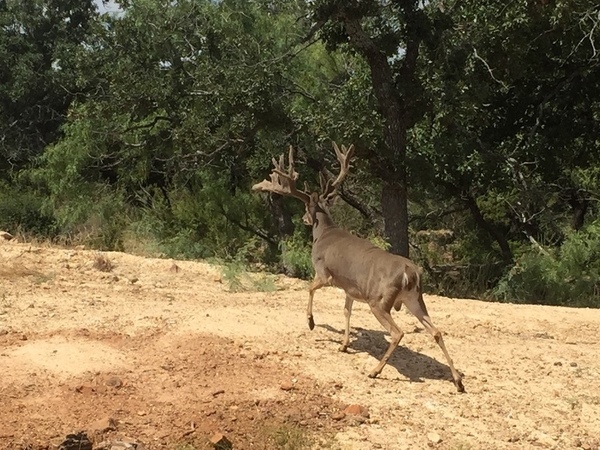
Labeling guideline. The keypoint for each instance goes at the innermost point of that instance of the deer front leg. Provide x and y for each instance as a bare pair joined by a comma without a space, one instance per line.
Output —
347,313
317,283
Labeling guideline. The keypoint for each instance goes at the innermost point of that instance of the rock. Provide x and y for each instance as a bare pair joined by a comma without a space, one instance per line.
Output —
120,445
286,386
114,381
338,415
78,441
220,442
357,410
103,425
174,268
573,364
434,437
6,236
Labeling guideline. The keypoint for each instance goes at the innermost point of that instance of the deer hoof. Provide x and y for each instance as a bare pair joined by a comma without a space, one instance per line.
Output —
343,348
373,374
459,386
311,323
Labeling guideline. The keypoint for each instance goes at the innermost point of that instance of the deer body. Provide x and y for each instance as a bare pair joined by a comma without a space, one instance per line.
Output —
355,265
365,272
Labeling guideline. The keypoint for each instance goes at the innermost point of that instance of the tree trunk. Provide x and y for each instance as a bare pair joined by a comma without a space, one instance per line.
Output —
392,163
579,206
285,225
395,213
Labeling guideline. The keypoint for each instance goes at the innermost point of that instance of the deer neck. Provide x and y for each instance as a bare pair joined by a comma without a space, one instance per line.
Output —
321,221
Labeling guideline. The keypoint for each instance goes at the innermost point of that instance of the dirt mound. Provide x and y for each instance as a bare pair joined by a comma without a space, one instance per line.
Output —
167,358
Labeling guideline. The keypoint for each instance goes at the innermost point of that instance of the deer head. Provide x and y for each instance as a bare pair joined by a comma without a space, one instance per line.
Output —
283,182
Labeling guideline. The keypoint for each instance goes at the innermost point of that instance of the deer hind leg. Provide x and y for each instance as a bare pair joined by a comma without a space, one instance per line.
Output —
317,283
396,333
347,313
416,305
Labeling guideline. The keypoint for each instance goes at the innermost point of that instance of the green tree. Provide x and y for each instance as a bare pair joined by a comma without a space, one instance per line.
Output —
37,80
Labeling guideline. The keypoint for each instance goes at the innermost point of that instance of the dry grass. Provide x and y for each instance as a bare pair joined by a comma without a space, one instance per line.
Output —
102,263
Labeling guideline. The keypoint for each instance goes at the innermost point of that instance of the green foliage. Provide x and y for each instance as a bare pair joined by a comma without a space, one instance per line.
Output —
38,46
296,257
238,278
22,209
569,275
144,131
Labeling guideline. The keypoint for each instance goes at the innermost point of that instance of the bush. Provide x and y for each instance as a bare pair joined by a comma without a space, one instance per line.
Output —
22,210
569,276
296,257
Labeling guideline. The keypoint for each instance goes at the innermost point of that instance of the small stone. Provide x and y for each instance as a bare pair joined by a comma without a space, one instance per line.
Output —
220,442
174,268
114,381
558,363
133,280
218,392
357,410
286,386
573,364
338,415
434,438
103,425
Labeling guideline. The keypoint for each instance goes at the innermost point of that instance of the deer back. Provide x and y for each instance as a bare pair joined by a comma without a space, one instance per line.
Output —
363,270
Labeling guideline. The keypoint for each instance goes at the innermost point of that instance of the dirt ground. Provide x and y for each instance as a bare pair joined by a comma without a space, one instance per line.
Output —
164,359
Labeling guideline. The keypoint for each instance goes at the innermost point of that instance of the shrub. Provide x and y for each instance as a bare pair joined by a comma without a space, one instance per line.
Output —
22,210
296,258
568,276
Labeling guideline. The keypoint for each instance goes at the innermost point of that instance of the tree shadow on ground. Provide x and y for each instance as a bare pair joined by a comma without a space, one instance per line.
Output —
413,365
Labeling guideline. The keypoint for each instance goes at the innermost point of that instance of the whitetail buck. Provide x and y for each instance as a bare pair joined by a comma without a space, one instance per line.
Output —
365,272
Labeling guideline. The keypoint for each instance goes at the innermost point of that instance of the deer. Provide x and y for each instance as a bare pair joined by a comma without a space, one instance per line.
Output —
365,272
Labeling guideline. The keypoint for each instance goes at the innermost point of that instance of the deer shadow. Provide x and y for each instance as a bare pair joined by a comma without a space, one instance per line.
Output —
413,365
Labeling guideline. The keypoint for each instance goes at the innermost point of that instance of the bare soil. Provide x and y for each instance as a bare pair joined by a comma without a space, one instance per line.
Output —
172,358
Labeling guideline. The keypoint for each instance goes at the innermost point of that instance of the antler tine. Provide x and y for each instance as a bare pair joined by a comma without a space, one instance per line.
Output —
283,182
291,160
344,155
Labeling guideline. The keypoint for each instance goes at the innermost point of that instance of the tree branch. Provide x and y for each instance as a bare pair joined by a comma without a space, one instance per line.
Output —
257,232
